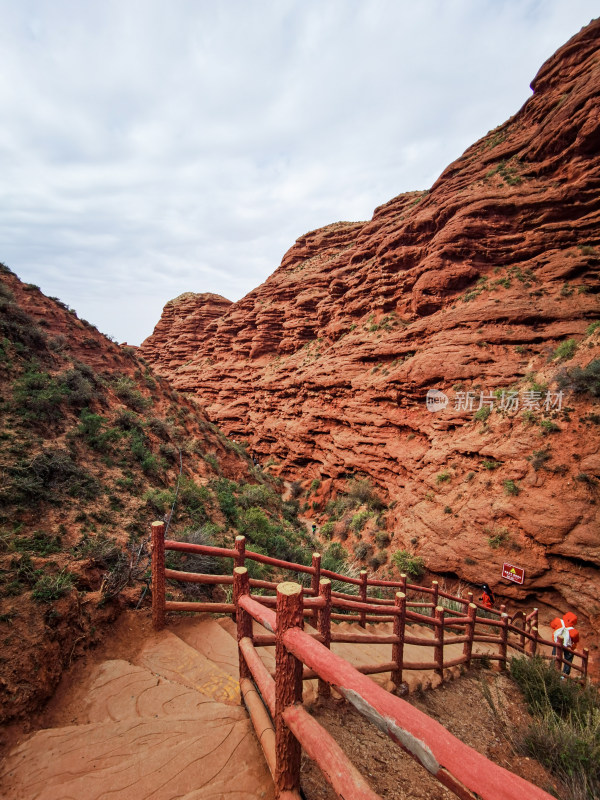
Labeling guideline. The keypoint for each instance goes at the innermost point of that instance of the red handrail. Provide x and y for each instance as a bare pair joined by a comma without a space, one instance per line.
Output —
460,768
368,608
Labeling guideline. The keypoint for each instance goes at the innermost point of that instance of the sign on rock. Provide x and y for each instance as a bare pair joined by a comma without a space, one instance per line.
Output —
515,574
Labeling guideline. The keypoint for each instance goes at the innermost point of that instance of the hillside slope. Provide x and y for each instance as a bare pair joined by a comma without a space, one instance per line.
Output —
487,283
93,447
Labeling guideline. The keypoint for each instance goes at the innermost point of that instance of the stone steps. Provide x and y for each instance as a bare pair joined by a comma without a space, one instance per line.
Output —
171,725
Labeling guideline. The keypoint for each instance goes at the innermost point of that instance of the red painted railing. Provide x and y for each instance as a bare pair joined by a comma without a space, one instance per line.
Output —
518,633
274,702
461,769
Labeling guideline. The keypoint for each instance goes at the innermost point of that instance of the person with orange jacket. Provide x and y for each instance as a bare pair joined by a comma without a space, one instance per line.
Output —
487,598
565,633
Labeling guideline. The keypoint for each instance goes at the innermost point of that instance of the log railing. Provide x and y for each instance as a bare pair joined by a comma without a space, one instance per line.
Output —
285,728
465,626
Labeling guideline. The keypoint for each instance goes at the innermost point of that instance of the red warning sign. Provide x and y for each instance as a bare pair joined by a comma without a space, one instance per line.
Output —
513,573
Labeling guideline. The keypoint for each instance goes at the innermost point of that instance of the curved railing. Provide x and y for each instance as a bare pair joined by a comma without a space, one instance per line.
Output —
285,728
466,626
274,701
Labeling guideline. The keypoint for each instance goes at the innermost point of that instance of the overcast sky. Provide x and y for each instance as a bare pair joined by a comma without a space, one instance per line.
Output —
153,147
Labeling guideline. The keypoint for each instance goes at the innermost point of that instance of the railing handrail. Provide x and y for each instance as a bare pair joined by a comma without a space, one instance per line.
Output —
457,766
366,606
424,738
303,656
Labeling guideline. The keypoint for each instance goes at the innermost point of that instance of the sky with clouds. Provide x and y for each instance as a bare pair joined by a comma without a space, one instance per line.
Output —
153,147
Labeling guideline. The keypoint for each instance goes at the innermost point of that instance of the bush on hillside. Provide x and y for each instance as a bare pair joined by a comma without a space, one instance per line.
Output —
565,733
410,564
582,380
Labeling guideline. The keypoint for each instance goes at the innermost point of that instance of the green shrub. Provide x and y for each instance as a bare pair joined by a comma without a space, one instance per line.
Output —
565,350
126,391
193,498
45,477
50,587
582,379
547,426
539,458
104,552
409,563
257,495
382,539
499,537
362,493
358,520
334,557
511,488
164,430
212,460
583,477
91,428
491,464
290,509
442,477
592,328
160,500
17,326
314,485
327,529
41,543
565,733
78,386
482,414
38,396
226,500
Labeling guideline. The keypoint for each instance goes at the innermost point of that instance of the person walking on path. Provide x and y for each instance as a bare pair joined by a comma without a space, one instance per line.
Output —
565,633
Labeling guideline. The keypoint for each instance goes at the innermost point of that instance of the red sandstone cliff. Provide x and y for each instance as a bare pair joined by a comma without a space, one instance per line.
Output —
469,287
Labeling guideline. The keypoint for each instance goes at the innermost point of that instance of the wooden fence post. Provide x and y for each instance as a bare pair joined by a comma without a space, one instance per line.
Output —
240,551
521,635
288,688
470,632
558,658
438,650
534,641
403,583
158,575
503,648
436,593
363,597
241,586
398,648
315,578
584,662
324,627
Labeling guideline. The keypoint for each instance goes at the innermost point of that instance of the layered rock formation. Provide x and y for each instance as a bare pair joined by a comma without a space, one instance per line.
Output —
470,287
184,323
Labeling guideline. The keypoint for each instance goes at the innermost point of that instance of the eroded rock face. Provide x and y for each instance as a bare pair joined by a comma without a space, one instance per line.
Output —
472,285
183,325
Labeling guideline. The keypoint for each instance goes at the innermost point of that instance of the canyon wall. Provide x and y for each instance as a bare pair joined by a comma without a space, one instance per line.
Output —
485,288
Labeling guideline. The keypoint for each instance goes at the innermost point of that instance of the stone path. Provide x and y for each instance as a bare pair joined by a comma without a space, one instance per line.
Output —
171,724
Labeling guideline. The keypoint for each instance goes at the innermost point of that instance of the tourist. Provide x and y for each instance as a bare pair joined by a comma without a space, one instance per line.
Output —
566,634
487,598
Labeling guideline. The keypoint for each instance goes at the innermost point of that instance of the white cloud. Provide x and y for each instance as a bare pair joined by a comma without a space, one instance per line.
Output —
150,148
